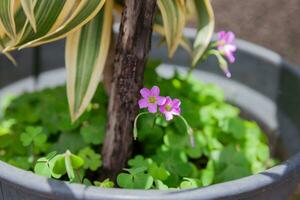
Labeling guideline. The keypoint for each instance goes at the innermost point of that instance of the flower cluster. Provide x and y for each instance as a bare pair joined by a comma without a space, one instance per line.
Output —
226,46
151,100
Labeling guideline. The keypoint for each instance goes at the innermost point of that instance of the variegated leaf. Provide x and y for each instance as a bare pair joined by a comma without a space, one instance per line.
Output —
173,17
20,19
7,21
86,53
206,25
85,11
183,42
46,14
9,57
28,7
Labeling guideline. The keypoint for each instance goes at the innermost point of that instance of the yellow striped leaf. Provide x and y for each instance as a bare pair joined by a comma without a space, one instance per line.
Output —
28,7
173,17
7,21
9,57
46,13
20,19
183,42
206,25
84,12
86,53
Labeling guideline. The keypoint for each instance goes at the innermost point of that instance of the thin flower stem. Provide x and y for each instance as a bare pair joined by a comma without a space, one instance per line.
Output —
154,120
135,132
203,58
189,130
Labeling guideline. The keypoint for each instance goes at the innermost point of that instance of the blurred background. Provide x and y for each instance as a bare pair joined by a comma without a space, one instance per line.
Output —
274,24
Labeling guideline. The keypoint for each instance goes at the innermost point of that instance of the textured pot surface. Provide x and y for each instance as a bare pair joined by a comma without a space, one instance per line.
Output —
263,85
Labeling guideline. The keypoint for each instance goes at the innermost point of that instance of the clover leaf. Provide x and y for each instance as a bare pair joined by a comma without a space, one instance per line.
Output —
34,136
235,126
189,183
139,161
43,166
91,159
105,184
158,172
160,185
93,133
67,163
136,179
207,174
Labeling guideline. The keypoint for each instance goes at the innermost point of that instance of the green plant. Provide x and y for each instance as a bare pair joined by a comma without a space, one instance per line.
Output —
225,147
87,27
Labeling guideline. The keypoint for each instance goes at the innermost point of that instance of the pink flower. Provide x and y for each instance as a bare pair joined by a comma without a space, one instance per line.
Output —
226,44
170,108
151,99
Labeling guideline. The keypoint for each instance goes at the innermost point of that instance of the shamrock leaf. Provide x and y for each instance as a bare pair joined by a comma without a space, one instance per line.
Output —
160,185
189,183
104,184
235,126
91,159
135,181
33,135
93,133
139,161
136,170
43,167
158,173
207,174
66,163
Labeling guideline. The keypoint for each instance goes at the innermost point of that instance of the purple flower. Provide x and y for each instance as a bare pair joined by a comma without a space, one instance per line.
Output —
170,108
151,99
226,44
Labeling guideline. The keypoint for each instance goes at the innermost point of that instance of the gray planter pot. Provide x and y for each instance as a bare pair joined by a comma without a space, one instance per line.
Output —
264,85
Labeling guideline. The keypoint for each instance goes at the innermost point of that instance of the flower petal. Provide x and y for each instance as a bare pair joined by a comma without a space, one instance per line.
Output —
145,92
155,91
160,100
176,103
176,111
162,109
152,108
230,57
143,103
230,37
168,100
221,35
168,116
230,47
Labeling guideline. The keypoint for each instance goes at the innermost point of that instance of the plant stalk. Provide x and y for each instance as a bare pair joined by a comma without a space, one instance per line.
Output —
132,49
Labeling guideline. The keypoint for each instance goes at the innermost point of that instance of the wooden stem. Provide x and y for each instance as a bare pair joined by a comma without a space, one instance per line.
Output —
132,49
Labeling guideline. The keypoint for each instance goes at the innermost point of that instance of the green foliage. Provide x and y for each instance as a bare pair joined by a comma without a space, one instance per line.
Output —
104,184
33,136
189,183
5,126
91,159
67,163
36,134
44,166
135,179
